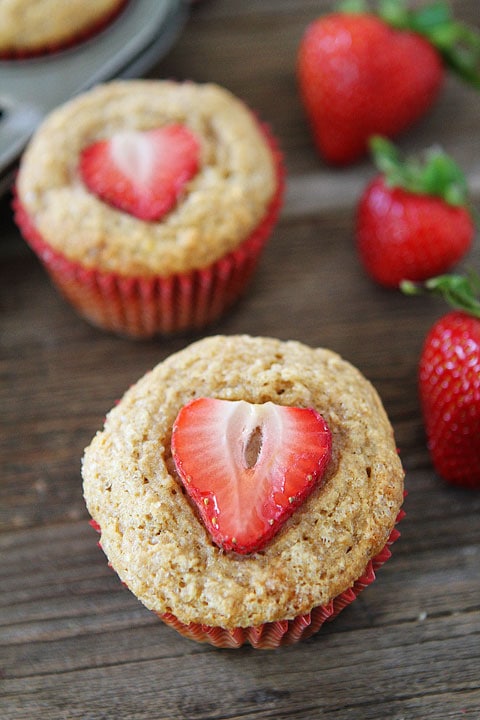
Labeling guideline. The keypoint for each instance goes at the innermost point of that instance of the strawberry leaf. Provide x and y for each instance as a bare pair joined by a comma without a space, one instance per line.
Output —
395,13
457,43
353,6
438,174
461,292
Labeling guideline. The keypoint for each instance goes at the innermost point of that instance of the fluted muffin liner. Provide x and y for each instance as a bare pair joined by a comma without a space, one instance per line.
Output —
271,635
80,36
141,307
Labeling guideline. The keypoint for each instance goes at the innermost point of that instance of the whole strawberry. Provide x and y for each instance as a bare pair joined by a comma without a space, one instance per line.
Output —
413,220
449,382
361,73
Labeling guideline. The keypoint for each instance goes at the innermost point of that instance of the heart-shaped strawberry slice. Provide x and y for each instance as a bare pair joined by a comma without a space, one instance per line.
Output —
141,172
247,466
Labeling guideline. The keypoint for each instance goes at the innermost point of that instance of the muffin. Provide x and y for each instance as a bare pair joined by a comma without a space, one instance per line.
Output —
157,532
39,27
149,202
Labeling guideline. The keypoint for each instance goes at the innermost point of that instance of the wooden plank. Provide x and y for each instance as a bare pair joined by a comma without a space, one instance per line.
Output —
74,642
137,687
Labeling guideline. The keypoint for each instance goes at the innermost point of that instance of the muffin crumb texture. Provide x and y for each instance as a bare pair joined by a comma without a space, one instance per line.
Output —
217,209
151,533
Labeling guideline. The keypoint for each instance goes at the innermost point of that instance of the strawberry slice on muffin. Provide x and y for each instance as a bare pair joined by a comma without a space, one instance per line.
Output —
142,173
248,466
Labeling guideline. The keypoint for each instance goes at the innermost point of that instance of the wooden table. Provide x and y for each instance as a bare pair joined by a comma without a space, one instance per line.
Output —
74,642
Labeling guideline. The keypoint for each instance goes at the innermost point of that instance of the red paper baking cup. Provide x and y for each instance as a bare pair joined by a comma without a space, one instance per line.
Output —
271,635
88,31
141,307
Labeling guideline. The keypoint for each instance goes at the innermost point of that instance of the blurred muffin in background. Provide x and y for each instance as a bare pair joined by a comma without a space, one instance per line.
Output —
38,27
149,202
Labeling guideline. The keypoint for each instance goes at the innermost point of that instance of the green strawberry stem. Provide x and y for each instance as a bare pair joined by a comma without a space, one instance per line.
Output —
461,292
438,174
457,43
353,6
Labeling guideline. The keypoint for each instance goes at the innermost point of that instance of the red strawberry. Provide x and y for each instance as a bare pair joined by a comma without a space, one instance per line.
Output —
141,172
412,220
247,467
449,382
361,73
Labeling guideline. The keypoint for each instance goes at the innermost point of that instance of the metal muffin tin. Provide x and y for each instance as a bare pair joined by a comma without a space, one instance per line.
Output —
128,47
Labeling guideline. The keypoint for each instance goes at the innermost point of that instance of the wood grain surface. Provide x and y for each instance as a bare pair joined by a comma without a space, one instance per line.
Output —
74,643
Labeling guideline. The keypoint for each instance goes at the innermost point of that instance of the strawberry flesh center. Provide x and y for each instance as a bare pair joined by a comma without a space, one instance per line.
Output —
131,152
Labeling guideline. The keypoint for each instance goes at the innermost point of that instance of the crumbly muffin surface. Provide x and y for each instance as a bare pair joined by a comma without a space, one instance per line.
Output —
36,24
151,533
218,208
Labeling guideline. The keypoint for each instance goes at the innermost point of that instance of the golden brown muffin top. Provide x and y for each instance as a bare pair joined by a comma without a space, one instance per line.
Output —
152,535
218,208
30,25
